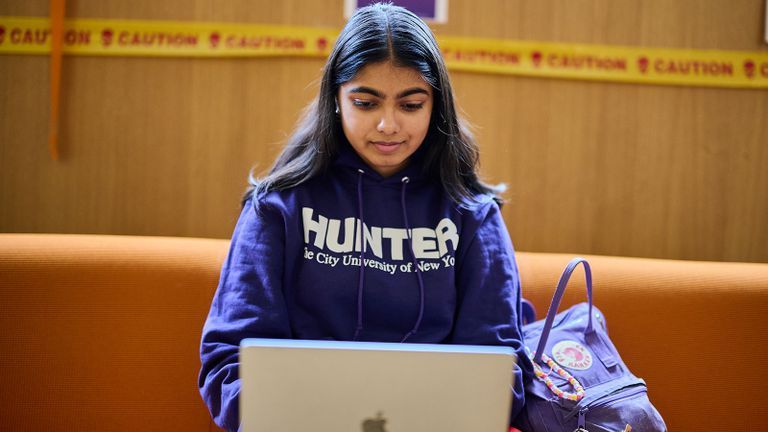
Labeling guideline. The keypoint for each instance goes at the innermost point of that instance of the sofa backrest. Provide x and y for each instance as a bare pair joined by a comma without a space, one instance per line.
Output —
102,332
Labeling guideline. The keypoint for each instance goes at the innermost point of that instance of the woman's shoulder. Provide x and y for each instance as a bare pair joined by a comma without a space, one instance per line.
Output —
284,200
265,201
479,205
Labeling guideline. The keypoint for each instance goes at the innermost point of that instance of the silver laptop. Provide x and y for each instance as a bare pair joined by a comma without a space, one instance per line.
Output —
322,386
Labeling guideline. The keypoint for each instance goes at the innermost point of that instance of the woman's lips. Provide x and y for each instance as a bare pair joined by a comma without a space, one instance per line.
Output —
387,146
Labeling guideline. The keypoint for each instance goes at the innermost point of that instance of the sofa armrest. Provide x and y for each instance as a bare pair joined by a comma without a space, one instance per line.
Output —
102,332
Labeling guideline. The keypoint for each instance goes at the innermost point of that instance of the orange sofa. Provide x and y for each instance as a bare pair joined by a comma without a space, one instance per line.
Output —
100,333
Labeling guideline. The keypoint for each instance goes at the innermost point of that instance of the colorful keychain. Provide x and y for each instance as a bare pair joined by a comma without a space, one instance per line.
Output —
577,396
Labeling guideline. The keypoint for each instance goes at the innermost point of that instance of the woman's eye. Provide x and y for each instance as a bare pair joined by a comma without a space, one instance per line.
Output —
413,106
364,104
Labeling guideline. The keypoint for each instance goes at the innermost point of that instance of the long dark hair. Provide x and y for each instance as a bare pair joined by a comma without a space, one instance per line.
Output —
374,34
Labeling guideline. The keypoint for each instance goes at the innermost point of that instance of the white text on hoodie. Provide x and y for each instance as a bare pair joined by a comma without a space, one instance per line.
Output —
428,243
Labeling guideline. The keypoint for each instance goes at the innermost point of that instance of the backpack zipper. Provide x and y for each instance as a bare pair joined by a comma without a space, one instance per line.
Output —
607,399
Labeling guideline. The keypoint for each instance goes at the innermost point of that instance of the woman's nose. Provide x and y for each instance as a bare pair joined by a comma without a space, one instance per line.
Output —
388,123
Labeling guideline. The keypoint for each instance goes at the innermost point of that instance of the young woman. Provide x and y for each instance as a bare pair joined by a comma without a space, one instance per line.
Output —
372,225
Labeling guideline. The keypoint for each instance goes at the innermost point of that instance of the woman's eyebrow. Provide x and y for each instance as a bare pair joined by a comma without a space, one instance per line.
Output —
378,94
415,90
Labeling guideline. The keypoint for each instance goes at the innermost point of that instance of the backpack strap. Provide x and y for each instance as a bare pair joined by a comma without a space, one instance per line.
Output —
556,303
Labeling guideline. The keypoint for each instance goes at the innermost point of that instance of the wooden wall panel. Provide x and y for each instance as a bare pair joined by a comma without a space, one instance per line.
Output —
161,146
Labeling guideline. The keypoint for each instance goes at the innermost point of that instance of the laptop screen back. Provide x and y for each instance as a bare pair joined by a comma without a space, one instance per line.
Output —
295,385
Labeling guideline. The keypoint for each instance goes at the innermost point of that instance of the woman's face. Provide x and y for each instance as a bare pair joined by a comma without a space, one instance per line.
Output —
385,112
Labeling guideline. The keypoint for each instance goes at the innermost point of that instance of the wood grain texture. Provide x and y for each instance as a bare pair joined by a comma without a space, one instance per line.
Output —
159,146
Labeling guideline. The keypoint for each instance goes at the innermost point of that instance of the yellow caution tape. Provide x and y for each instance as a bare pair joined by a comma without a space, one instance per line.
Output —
29,35
608,63
164,38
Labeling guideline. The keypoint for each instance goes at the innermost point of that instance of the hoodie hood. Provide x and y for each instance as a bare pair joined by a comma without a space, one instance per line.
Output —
349,162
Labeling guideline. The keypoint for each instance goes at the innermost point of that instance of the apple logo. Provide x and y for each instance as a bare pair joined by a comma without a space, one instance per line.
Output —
374,424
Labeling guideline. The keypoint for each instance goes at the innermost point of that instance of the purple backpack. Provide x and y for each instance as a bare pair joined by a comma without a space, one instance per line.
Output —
581,383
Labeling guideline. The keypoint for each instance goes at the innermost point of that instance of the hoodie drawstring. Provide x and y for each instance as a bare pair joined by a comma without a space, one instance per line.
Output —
416,326
361,279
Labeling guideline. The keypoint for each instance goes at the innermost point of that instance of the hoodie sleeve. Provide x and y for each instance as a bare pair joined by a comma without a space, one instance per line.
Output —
248,303
488,283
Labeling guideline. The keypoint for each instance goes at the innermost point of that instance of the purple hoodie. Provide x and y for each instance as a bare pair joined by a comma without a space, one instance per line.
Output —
297,269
